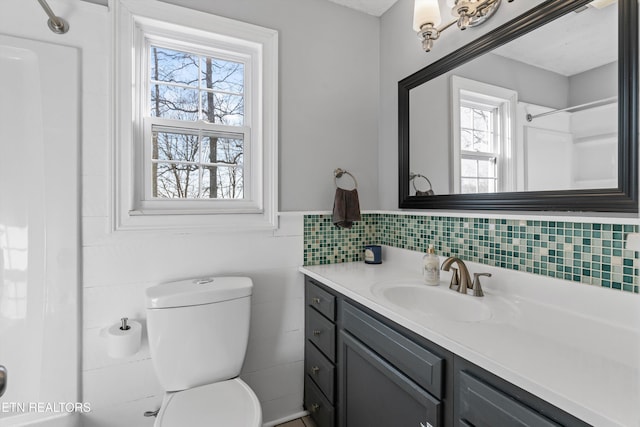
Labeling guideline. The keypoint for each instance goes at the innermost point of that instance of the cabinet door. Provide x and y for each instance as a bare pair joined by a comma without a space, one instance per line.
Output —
374,393
421,365
481,405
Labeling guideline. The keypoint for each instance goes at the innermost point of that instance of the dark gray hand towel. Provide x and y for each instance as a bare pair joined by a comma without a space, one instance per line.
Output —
346,207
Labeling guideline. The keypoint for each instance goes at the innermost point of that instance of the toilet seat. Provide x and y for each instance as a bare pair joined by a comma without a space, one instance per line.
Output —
228,403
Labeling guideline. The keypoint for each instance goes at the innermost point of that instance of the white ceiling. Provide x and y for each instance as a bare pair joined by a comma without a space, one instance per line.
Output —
572,44
372,7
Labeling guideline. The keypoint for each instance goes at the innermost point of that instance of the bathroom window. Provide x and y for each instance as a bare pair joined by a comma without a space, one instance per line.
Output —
483,148
196,128
480,147
198,146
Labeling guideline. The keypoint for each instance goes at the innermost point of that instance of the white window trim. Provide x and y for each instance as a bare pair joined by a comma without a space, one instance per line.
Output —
133,21
508,99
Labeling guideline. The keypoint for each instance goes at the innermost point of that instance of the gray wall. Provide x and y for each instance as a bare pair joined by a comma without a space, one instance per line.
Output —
593,85
328,94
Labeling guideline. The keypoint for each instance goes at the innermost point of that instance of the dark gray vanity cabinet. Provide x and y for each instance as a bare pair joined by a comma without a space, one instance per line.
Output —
363,370
320,353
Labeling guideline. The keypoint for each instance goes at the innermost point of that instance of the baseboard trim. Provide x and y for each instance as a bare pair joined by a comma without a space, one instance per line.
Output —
286,419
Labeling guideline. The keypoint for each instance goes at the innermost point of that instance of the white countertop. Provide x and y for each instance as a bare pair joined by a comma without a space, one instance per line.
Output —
573,345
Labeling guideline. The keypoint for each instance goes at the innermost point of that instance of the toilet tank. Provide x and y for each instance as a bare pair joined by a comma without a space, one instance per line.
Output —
198,330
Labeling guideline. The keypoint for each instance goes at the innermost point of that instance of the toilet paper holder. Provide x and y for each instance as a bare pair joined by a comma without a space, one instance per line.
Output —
124,339
124,326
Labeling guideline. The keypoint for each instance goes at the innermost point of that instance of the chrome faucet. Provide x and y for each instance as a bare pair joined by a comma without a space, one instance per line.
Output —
460,279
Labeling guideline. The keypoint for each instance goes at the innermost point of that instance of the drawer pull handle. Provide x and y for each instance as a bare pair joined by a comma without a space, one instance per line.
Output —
316,300
314,407
315,370
316,332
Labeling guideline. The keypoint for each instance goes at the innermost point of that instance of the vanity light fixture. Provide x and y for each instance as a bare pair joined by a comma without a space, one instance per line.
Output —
469,13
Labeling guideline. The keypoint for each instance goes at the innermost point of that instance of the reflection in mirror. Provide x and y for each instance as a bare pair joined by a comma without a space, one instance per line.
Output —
413,177
539,113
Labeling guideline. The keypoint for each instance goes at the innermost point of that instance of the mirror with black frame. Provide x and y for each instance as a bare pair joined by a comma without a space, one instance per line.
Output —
539,114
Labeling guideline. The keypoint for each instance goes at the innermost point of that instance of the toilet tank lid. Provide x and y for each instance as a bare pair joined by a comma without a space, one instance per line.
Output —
203,290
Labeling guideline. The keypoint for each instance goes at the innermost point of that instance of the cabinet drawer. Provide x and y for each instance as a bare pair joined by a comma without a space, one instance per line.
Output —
320,370
321,331
319,299
419,364
321,410
481,405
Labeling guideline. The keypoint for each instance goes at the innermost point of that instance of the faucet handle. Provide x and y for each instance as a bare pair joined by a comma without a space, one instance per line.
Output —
477,288
455,281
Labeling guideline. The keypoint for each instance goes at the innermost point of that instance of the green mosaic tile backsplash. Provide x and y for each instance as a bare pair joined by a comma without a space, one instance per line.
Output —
581,252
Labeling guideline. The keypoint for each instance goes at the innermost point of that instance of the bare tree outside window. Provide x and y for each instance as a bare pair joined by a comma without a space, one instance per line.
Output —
187,162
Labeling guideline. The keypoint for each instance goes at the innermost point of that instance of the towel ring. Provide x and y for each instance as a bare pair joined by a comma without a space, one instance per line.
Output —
412,178
338,174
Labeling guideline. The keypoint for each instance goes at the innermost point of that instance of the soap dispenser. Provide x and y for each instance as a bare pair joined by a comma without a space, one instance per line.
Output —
431,267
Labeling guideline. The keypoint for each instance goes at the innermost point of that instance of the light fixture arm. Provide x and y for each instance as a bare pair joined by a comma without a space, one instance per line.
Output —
428,34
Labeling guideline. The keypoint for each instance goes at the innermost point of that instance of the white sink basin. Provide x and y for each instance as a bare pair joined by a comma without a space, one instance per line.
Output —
439,302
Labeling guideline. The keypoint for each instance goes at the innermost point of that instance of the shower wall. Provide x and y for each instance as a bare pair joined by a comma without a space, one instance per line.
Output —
39,228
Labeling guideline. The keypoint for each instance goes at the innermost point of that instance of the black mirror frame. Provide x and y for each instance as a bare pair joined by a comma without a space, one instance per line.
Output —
621,199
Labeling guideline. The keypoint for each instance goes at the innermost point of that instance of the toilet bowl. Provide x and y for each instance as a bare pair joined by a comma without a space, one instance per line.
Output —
198,332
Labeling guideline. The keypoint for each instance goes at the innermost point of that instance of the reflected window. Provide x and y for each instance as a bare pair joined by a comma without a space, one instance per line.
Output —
483,137
480,147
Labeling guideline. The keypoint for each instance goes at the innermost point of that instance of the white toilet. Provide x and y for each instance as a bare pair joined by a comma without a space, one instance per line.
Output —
198,332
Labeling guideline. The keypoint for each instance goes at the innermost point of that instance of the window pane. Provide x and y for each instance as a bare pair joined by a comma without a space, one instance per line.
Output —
175,146
175,181
223,182
172,66
481,142
466,117
469,168
216,91
486,186
174,102
486,168
222,150
481,119
224,76
223,108
466,139
468,186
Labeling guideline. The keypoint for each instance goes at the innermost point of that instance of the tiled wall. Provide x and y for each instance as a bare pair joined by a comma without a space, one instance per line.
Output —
590,253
